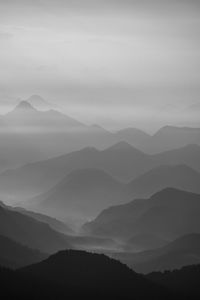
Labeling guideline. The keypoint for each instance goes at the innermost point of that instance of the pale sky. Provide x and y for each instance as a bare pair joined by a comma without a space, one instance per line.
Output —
114,62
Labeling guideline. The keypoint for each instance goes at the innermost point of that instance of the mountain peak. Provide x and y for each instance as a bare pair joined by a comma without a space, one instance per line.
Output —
24,106
172,192
40,104
121,146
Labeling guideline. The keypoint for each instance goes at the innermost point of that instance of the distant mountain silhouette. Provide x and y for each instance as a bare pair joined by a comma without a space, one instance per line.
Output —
144,241
23,107
25,115
82,194
188,155
171,137
31,135
179,176
14,255
133,136
182,252
120,160
166,138
40,104
169,214
29,232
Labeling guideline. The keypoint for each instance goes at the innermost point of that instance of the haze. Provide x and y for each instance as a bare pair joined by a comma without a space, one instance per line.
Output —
115,63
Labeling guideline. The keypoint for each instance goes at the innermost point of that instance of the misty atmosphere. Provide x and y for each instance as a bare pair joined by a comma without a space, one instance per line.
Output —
100,149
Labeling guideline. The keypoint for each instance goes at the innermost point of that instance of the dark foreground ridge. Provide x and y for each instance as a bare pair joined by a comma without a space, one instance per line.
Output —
79,274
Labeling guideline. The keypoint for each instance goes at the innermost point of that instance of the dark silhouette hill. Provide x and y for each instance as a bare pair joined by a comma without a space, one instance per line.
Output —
82,194
186,280
184,251
78,274
169,214
14,255
29,232
85,270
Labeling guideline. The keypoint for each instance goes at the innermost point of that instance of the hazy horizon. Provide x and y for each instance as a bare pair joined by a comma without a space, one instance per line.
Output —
115,63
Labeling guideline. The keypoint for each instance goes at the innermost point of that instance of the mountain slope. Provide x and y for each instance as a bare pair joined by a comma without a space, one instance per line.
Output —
39,103
44,134
188,155
171,137
169,214
78,274
186,281
133,136
82,194
92,271
121,161
52,222
29,232
14,255
181,252
180,177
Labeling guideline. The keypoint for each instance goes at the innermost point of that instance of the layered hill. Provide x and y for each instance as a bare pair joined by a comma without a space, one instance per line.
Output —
29,232
121,161
169,214
183,251
15,255
82,194
178,176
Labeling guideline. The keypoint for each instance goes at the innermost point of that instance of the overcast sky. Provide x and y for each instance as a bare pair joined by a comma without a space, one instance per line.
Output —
114,62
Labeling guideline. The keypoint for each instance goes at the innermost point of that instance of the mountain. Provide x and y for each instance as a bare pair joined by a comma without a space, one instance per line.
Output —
184,251
179,176
141,242
171,137
121,161
39,103
26,116
92,271
14,255
78,274
188,155
169,214
29,232
31,135
81,194
133,136
185,281
28,135
52,222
